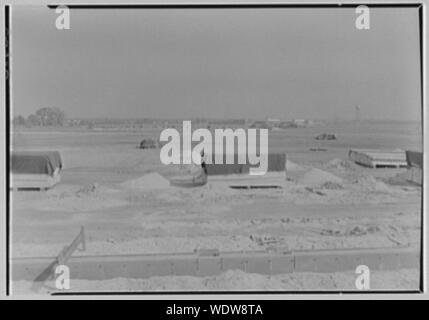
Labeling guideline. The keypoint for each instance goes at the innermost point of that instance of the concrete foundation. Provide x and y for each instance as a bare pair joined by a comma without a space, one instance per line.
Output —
262,262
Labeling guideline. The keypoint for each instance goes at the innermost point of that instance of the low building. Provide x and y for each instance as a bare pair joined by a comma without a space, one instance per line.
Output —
276,163
415,167
35,169
374,158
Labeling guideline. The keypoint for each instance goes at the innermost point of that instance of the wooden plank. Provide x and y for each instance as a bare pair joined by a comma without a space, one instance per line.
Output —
61,259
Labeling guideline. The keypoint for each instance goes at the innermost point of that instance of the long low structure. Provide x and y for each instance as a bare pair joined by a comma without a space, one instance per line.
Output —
276,163
374,158
212,262
35,169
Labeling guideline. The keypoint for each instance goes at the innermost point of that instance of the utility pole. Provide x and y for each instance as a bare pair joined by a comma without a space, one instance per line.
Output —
357,113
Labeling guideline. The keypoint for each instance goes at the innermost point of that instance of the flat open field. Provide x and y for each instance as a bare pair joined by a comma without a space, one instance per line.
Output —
109,187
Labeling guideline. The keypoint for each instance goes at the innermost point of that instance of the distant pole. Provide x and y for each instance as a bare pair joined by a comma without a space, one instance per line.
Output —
357,113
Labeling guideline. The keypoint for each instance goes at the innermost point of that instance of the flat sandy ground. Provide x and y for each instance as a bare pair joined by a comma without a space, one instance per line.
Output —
118,193
237,280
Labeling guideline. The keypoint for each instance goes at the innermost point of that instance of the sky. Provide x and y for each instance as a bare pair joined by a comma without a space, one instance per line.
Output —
220,63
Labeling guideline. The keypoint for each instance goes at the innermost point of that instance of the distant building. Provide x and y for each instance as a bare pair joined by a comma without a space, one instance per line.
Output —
415,167
273,121
303,123
374,158
260,125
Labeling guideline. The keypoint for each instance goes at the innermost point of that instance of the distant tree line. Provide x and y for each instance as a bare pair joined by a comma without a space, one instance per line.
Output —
44,117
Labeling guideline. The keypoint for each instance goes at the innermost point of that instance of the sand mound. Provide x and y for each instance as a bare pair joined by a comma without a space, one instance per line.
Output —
188,169
88,190
370,183
150,181
317,177
340,164
331,186
400,179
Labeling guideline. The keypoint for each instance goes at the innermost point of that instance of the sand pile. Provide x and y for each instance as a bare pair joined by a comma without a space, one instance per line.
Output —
150,181
370,183
88,190
331,186
187,170
341,164
400,179
316,177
